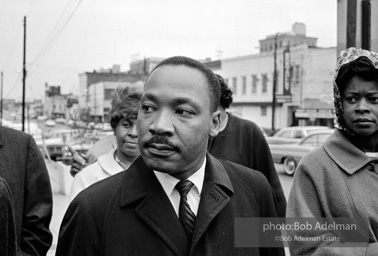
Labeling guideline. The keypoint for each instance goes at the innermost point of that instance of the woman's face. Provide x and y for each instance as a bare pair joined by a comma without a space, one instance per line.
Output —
360,104
127,137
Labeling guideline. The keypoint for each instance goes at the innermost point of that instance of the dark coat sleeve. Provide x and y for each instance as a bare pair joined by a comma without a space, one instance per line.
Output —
36,237
8,238
243,143
82,226
80,231
263,162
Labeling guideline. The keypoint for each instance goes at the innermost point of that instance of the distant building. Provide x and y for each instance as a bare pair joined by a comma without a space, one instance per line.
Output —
55,103
99,103
304,74
288,39
104,75
144,66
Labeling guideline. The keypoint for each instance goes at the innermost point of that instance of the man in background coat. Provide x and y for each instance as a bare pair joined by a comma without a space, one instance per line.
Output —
23,168
241,141
140,211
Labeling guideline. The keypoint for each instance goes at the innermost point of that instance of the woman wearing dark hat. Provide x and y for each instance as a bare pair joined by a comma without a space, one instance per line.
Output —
123,115
340,179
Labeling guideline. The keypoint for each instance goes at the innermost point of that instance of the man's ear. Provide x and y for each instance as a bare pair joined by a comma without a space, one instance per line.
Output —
215,123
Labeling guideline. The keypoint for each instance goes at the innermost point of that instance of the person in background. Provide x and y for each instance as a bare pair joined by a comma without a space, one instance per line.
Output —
175,199
340,178
23,168
101,147
8,238
123,114
241,141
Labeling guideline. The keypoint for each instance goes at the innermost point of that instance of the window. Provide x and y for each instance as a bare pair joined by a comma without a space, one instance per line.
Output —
297,71
244,80
254,84
108,94
264,83
298,134
285,134
234,85
316,140
263,111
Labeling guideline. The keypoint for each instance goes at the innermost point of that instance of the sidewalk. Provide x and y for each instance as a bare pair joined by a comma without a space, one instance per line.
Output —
61,180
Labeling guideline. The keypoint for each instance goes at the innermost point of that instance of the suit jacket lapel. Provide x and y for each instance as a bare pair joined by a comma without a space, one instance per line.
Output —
213,197
155,209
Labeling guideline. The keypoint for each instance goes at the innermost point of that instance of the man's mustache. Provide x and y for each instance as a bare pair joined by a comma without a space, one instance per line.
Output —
159,139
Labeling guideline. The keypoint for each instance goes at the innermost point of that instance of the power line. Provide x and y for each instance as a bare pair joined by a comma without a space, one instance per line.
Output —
17,35
57,31
13,86
14,44
52,67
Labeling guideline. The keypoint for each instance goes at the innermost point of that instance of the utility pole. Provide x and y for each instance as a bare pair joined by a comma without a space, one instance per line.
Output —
24,78
1,118
274,81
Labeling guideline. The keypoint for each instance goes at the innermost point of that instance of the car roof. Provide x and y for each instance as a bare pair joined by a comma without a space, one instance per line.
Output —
305,127
330,130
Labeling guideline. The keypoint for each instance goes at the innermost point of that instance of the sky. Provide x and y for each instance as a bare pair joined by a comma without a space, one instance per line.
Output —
67,37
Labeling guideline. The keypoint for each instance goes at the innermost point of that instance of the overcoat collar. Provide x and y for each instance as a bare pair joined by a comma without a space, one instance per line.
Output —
140,186
347,156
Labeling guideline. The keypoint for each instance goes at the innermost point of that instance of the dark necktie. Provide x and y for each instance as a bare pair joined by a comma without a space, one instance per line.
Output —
186,215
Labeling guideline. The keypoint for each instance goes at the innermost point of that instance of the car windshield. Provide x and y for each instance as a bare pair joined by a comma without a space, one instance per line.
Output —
315,140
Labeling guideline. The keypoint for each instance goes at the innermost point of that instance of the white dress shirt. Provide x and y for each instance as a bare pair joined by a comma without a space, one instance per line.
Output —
169,182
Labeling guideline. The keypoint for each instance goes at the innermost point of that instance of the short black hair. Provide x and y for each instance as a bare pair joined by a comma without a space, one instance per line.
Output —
212,80
226,93
361,67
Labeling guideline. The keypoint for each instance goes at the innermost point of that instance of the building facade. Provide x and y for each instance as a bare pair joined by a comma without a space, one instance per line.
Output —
99,99
144,66
304,75
104,75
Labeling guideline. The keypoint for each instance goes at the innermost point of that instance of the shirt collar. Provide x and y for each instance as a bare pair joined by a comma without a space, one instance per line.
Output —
347,156
169,182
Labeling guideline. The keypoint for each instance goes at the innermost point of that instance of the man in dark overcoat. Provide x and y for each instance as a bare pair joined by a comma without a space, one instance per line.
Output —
23,168
175,199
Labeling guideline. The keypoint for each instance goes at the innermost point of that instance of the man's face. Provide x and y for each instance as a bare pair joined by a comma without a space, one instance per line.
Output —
360,104
175,121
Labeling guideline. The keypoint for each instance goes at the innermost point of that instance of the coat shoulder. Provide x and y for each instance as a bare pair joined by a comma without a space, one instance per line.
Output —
254,180
102,190
9,134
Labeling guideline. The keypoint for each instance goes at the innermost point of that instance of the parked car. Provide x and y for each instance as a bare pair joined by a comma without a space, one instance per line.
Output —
53,146
41,118
71,123
60,120
293,134
50,123
107,127
290,154
98,126
30,127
